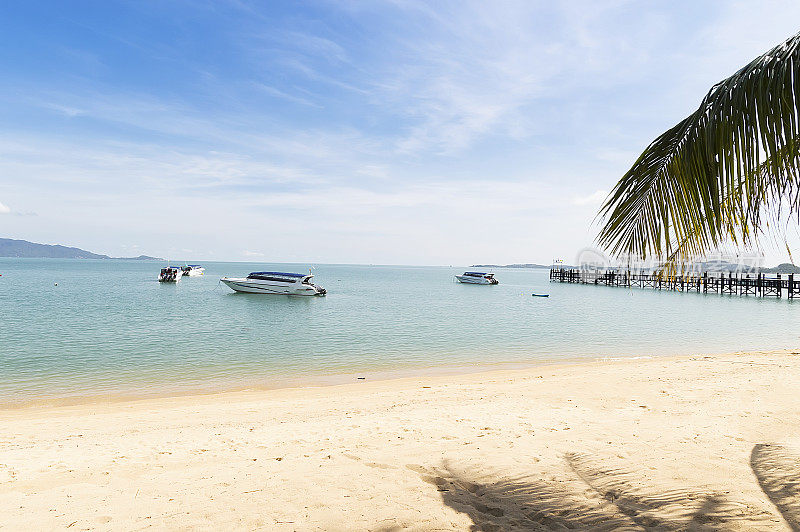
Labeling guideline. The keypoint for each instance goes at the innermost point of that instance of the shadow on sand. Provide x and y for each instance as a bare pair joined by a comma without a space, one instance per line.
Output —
597,497
778,472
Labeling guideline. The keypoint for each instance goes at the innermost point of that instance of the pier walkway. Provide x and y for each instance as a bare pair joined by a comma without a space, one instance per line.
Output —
759,285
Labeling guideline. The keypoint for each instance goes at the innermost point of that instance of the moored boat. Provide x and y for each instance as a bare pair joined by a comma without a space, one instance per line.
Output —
170,274
476,278
193,270
290,284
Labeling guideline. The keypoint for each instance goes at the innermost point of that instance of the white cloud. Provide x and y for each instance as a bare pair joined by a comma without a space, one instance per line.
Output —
479,70
496,199
314,45
595,198
63,109
377,143
272,91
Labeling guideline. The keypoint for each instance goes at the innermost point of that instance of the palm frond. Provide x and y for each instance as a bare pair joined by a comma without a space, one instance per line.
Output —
711,178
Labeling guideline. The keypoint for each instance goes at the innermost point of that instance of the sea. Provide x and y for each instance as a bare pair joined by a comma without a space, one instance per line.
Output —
87,330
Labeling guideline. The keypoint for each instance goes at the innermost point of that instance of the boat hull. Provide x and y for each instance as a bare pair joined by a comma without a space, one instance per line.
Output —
466,279
250,286
195,272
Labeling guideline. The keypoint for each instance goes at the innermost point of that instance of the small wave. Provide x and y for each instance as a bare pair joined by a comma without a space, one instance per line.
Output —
621,359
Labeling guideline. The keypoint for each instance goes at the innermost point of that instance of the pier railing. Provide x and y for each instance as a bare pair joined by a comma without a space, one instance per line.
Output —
759,285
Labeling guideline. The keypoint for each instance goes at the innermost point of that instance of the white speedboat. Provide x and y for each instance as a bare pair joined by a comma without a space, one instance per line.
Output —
290,284
193,270
170,274
476,278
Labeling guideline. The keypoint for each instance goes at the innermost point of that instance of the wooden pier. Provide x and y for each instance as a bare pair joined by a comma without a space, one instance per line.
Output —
759,285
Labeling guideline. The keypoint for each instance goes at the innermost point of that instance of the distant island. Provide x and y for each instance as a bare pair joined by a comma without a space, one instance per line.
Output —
24,249
509,266
709,266
725,266
784,267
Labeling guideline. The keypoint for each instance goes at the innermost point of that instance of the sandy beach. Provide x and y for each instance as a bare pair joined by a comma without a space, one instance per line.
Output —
706,442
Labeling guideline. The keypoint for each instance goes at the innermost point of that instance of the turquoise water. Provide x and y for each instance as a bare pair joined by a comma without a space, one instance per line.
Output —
109,328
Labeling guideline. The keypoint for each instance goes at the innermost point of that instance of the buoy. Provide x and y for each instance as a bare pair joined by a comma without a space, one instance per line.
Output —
55,284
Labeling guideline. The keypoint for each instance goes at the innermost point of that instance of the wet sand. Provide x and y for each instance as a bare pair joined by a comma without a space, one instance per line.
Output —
705,442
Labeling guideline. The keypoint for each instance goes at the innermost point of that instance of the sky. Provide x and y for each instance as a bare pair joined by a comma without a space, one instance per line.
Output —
371,132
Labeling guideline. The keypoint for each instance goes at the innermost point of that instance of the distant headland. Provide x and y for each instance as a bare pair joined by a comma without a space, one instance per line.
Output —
784,267
509,266
24,249
710,266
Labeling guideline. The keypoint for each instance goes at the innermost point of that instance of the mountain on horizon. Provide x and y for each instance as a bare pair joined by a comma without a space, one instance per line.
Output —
713,266
24,249
784,267
528,265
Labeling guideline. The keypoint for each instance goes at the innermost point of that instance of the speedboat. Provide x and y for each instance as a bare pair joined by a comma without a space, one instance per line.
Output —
290,284
477,278
193,270
170,274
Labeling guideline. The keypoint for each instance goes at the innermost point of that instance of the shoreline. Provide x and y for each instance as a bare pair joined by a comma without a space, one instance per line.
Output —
312,384
350,381
692,441
322,381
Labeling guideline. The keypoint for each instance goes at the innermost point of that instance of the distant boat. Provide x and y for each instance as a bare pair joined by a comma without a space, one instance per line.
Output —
193,270
540,295
477,278
290,284
170,274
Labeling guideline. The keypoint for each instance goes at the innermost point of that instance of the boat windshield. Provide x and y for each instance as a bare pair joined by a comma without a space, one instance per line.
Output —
276,276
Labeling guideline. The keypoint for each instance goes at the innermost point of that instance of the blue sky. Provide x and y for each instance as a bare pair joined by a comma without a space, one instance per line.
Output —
395,132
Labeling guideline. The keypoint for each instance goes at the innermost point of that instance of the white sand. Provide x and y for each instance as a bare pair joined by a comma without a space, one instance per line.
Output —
670,443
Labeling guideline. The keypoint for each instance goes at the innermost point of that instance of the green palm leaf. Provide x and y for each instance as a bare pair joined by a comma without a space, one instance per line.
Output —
721,174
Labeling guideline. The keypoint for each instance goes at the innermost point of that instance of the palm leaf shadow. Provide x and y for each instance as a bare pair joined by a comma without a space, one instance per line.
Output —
664,509
595,497
778,472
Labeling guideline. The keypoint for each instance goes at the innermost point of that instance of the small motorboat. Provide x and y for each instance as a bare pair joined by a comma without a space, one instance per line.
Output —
170,274
288,284
476,278
193,270
540,295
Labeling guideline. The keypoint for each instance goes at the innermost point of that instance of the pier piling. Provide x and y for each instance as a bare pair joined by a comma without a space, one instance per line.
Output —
759,286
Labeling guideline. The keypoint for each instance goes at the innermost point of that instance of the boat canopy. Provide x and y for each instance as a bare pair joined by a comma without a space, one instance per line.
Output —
194,265
477,274
294,275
